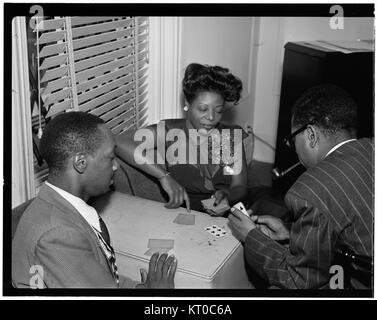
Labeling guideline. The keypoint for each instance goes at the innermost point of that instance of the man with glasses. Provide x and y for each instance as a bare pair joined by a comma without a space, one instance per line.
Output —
331,203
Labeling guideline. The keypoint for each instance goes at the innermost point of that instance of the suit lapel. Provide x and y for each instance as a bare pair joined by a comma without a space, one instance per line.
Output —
51,196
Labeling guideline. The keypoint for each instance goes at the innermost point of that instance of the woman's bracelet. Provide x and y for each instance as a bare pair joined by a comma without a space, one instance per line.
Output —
165,175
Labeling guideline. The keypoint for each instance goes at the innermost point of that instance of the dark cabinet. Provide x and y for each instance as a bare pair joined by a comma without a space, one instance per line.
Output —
307,64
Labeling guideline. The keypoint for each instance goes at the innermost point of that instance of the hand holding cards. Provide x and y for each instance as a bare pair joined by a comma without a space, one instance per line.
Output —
239,206
208,205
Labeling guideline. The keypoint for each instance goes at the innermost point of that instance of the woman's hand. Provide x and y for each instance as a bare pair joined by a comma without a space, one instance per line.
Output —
219,195
177,194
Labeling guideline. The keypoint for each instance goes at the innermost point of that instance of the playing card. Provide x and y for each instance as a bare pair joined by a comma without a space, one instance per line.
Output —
216,231
151,251
185,218
239,206
161,243
208,204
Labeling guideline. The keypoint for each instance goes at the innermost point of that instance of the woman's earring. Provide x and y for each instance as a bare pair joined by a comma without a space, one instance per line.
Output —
185,108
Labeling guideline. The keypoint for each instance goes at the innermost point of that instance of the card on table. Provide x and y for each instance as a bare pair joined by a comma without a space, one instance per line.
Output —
216,231
159,245
185,218
151,251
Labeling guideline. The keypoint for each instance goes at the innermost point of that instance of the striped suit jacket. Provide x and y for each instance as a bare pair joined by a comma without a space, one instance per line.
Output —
332,205
55,240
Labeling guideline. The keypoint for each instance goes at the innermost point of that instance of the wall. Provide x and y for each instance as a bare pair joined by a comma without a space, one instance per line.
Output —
22,149
274,32
226,42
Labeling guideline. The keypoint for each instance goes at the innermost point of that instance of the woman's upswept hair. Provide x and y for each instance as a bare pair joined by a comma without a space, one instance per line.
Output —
199,78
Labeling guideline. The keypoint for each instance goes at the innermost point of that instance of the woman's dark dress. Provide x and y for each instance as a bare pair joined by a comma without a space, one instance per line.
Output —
200,180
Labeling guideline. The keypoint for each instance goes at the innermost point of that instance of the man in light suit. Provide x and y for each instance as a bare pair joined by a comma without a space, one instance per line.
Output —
61,241
331,203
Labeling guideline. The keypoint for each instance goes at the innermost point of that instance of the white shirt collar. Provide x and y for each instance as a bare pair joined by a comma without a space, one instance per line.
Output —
88,213
338,145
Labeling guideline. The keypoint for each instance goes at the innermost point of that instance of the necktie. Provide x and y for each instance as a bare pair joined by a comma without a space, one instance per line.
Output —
104,232
106,237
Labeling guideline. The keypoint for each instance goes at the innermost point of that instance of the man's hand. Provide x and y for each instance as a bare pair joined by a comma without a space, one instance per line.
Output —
161,272
272,227
241,224
177,194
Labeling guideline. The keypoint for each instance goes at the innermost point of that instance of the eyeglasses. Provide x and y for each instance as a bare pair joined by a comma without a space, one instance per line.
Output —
290,140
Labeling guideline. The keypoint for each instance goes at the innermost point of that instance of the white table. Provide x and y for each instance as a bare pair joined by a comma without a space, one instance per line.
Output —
203,260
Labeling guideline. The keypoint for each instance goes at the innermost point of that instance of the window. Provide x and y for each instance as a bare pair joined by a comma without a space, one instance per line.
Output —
93,64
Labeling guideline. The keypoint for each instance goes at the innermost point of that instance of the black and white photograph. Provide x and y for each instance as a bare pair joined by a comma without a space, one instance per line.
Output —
188,150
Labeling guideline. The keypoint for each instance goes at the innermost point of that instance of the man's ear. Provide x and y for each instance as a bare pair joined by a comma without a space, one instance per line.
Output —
80,162
312,135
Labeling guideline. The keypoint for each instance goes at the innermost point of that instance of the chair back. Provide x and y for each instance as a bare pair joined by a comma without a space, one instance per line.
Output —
358,269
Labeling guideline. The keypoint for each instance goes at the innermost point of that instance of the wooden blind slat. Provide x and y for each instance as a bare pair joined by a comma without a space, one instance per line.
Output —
142,20
52,49
101,27
142,72
143,96
126,98
59,107
122,109
124,126
53,36
142,64
123,119
101,59
54,61
142,105
106,97
55,85
105,37
142,81
143,88
142,29
105,88
142,56
56,97
54,73
96,71
51,24
142,38
76,21
142,47
106,47
103,78
143,113
126,106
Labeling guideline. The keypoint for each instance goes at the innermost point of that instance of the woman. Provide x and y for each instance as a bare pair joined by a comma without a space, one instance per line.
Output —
206,90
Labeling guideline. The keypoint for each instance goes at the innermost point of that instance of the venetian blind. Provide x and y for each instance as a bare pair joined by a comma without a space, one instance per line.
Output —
93,64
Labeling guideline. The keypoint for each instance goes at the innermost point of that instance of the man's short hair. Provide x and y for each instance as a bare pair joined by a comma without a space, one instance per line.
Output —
68,134
329,106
